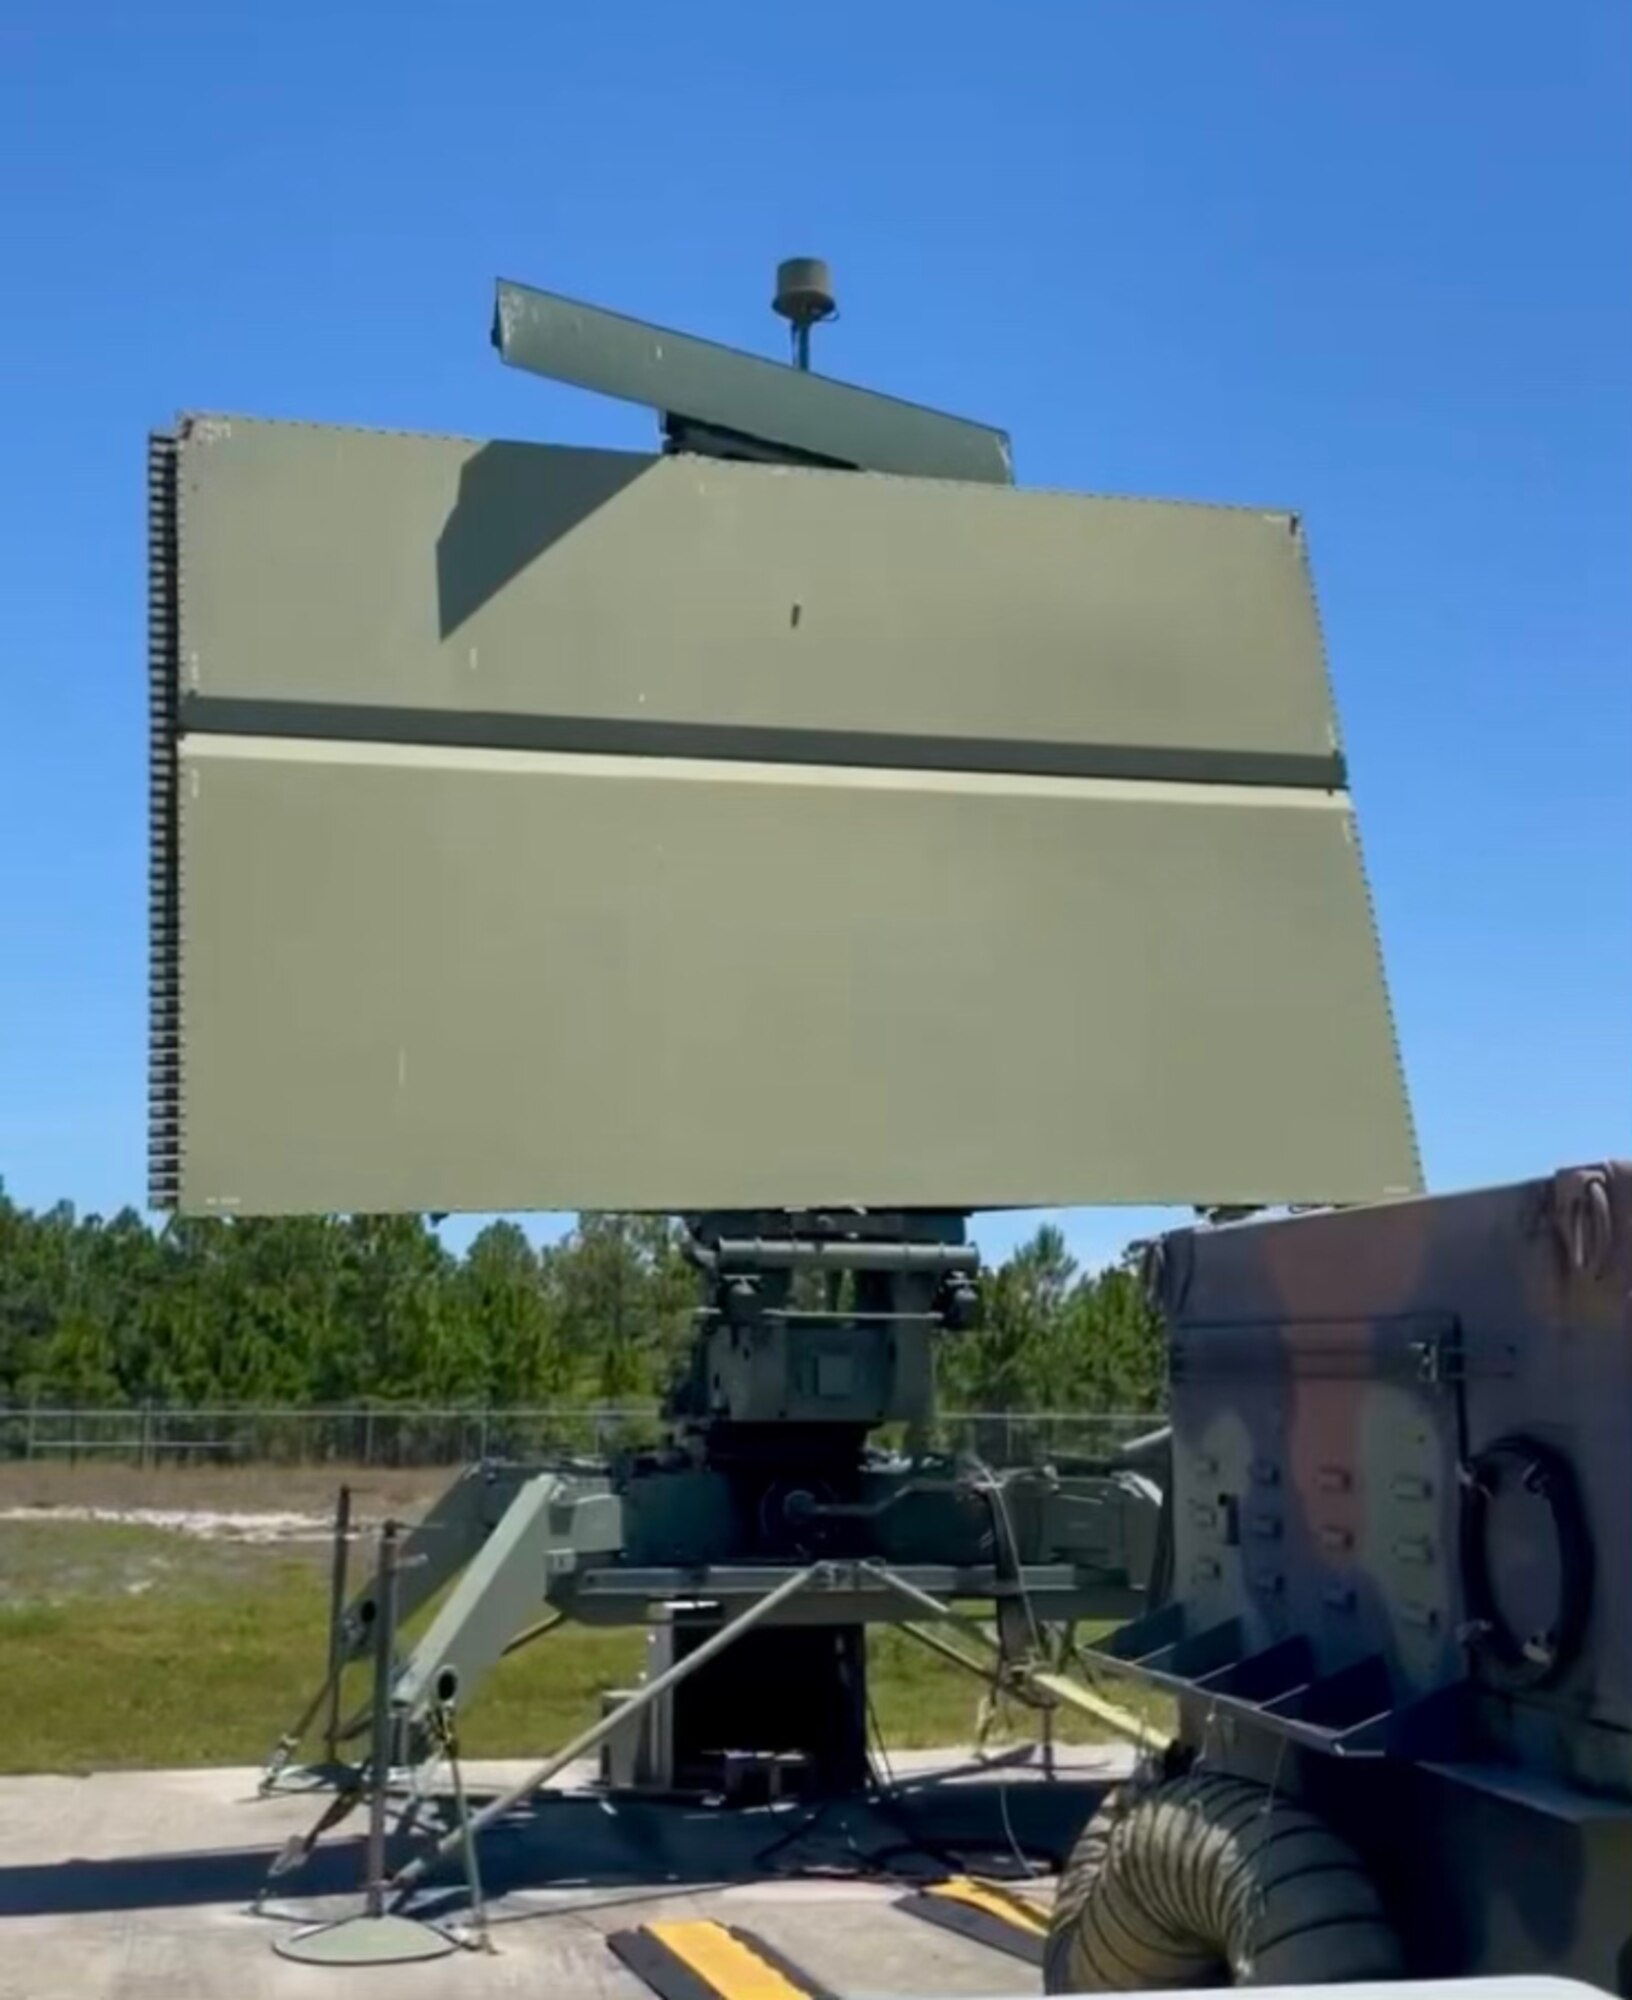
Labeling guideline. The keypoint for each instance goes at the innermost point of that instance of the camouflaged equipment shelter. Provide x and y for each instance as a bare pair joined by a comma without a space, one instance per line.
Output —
1402,1477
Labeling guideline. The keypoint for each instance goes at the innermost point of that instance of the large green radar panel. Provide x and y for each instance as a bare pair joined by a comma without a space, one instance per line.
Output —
800,814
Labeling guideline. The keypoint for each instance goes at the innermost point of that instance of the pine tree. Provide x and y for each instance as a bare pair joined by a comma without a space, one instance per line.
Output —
342,1310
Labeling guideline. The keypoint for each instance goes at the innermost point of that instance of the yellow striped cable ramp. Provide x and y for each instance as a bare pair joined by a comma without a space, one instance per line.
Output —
983,1911
702,1960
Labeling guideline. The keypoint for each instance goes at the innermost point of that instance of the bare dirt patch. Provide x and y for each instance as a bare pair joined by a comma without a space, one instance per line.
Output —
296,1490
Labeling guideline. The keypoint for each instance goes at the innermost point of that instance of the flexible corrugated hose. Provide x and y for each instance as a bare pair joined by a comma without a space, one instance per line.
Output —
1208,1880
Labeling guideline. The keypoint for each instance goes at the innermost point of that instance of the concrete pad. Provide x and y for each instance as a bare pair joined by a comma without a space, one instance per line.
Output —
139,1885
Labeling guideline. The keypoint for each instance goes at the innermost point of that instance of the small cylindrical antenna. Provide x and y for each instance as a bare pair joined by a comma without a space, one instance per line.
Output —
804,297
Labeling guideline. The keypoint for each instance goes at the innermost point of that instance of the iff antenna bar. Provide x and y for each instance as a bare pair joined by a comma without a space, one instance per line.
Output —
695,382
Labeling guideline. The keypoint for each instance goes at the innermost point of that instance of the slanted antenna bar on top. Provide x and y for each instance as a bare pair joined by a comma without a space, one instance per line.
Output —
725,402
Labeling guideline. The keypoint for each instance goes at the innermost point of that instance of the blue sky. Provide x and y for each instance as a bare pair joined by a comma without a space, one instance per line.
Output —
1372,261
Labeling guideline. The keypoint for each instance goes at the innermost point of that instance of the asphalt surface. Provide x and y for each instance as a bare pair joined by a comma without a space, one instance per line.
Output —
143,1885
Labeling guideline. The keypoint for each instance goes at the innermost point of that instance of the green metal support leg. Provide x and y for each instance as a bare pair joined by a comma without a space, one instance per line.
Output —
550,1527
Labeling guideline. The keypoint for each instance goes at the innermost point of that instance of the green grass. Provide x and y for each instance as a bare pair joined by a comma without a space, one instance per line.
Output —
124,1647
69,1562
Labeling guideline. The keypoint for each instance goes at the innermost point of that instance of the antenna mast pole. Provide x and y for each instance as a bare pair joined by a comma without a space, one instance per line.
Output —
804,297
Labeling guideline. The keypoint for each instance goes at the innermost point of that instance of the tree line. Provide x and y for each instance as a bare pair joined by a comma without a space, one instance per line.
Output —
315,1310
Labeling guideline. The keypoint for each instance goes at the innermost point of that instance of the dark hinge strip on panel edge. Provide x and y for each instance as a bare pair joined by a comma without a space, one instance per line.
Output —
164,910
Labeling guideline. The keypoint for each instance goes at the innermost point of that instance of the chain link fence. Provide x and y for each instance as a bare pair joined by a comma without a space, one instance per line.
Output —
395,1435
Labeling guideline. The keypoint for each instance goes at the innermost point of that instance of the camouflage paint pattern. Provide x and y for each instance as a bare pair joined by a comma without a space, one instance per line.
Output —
1337,1380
